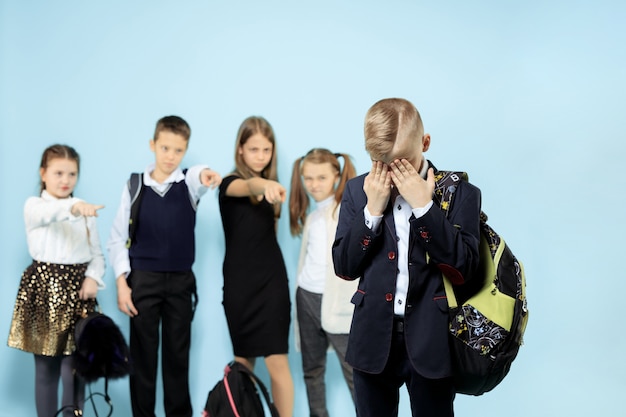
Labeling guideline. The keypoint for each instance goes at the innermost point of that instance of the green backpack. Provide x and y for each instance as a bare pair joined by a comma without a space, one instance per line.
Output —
488,316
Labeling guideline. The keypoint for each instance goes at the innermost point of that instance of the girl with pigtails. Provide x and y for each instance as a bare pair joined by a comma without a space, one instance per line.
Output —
323,307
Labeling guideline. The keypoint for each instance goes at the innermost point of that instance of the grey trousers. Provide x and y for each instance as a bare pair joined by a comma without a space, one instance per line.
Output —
314,343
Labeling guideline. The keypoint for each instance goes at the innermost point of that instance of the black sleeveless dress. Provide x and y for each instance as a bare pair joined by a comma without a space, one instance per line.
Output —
256,289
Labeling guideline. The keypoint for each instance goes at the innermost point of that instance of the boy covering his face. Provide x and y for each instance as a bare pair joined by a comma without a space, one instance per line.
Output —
393,239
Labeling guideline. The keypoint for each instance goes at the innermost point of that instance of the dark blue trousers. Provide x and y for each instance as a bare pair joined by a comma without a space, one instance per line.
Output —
378,395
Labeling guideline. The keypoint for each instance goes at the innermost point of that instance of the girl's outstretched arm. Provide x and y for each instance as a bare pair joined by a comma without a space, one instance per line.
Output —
273,191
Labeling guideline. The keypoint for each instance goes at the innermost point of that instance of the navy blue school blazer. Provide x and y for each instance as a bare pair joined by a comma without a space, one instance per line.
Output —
436,244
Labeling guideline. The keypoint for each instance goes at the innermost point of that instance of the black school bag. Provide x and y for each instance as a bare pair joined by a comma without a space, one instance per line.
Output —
236,395
488,316
101,350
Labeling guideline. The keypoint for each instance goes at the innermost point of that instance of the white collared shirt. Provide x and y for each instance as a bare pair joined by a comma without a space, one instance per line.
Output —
55,235
312,277
116,245
401,215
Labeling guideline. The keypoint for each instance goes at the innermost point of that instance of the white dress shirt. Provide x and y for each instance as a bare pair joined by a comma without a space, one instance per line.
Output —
55,235
401,215
116,245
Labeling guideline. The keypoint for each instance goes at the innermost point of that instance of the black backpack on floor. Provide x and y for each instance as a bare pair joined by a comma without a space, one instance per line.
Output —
236,395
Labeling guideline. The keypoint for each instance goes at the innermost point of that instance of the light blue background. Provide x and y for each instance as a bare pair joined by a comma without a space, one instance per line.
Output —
526,96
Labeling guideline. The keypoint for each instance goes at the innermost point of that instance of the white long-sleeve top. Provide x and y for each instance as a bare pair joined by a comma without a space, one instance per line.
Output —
312,272
116,245
401,214
55,235
336,306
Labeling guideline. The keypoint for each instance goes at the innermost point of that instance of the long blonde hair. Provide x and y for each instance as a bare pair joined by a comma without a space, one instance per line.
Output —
299,200
248,128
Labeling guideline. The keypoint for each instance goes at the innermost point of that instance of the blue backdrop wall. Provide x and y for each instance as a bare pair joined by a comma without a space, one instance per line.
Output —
525,96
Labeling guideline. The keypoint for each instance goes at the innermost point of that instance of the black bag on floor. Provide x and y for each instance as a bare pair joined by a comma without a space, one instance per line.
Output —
236,395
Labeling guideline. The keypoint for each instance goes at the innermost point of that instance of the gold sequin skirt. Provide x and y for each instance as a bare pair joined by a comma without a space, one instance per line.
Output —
47,308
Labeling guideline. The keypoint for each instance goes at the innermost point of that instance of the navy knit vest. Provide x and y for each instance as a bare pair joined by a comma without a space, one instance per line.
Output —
164,240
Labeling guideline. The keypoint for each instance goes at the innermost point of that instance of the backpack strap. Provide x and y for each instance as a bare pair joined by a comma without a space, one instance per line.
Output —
446,183
244,369
135,186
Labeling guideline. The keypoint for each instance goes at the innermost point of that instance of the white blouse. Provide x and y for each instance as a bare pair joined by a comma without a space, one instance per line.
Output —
55,235
312,276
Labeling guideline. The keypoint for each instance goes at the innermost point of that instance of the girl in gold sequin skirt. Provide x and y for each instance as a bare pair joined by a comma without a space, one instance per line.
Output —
62,282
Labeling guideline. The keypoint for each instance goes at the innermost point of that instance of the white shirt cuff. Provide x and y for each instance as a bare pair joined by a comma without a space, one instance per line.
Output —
372,222
420,211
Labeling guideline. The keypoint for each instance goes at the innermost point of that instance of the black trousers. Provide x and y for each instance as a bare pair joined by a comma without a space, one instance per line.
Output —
163,299
378,395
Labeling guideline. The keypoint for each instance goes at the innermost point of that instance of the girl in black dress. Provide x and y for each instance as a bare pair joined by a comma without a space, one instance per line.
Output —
256,289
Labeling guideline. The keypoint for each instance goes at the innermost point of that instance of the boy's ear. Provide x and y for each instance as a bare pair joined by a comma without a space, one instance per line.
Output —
152,145
425,142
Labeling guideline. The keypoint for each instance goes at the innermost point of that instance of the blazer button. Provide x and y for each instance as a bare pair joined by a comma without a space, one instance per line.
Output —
389,297
391,256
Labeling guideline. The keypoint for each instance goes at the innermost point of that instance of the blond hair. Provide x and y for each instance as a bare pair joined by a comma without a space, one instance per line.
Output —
387,121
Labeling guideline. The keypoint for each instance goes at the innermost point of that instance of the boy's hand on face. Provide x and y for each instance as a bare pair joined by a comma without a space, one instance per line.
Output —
411,186
210,178
377,188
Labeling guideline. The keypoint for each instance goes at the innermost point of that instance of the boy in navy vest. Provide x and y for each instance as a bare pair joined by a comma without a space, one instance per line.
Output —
155,283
